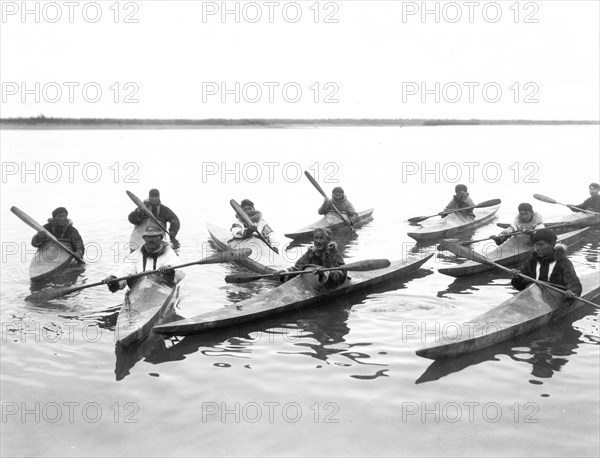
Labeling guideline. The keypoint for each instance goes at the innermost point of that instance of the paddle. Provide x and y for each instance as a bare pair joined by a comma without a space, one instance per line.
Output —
510,234
244,217
550,200
320,189
38,227
487,203
359,266
225,256
464,252
145,209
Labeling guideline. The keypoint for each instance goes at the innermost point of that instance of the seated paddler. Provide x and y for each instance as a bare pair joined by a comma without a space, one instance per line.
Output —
323,253
161,212
460,200
155,254
527,220
593,202
240,230
549,263
61,227
341,202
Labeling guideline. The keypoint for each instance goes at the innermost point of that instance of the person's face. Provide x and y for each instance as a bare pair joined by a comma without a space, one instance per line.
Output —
153,243
461,194
248,208
61,219
337,195
593,191
154,200
543,248
526,215
320,242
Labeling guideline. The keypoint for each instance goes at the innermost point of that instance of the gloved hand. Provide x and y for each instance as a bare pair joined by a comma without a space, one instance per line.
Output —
43,236
279,276
167,273
323,276
569,294
515,272
113,286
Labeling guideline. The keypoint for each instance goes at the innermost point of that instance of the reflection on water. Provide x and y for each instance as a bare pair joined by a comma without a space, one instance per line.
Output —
546,349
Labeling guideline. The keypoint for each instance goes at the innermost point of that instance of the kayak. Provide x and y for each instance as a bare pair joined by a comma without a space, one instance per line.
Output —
332,221
262,260
302,291
49,260
531,308
515,250
146,304
453,224
569,222
137,240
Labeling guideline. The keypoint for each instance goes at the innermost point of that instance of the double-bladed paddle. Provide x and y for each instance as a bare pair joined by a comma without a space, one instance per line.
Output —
246,219
320,189
224,256
510,234
145,209
487,203
465,252
359,266
38,227
550,200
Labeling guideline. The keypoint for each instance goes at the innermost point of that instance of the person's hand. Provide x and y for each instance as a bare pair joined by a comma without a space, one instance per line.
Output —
167,273
113,286
43,236
569,294
279,276
248,231
515,272
275,249
323,276
443,214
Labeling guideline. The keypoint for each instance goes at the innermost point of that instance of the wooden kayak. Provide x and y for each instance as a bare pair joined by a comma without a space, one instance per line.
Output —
146,304
331,221
569,222
453,224
48,261
515,250
262,260
137,240
531,308
302,291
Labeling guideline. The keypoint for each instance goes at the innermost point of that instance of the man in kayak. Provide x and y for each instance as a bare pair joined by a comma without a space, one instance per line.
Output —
593,202
323,253
61,227
549,262
461,199
239,230
526,220
160,211
154,254
343,205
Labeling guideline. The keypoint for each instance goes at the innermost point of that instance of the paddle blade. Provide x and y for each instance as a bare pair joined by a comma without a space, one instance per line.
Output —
315,184
464,252
368,264
242,278
49,294
548,200
418,219
489,203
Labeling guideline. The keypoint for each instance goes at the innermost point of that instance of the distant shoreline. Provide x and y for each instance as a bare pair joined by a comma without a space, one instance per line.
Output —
91,123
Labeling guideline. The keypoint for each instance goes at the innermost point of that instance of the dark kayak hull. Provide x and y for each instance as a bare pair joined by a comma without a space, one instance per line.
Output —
531,308
331,221
300,292
49,260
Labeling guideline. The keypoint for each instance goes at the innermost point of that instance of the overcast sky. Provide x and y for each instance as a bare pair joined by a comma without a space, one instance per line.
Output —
307,59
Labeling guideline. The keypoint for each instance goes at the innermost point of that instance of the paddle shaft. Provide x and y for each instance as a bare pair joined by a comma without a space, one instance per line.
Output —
221,257
145,209
320,189
359,266
510,234
550,200
242,214
482,259
39,228
487,203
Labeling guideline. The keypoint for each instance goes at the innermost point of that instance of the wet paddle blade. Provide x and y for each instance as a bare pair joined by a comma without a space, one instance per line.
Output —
546,199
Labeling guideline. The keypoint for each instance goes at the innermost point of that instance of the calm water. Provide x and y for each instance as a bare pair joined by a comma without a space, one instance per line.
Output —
340,379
